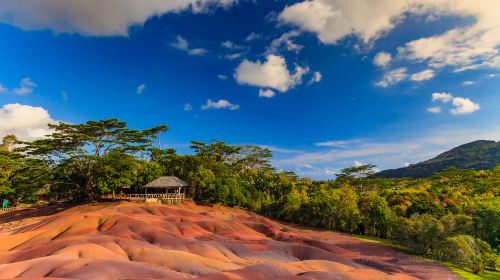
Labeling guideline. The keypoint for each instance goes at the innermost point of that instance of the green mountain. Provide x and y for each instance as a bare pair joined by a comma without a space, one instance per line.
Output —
479,155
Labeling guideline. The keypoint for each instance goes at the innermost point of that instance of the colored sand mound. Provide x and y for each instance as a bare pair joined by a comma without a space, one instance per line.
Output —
132,241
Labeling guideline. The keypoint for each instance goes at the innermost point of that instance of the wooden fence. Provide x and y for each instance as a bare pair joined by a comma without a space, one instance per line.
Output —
168,198
8,209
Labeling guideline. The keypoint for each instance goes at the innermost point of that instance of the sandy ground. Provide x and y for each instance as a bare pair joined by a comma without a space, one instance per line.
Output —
137,241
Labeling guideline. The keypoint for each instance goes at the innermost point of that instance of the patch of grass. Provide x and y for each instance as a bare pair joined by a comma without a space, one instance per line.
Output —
382,241
467,274
460,270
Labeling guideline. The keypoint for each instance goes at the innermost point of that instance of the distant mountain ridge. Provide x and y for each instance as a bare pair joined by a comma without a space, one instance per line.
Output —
481,154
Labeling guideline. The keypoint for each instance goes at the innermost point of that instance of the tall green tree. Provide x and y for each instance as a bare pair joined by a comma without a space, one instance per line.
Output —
82,147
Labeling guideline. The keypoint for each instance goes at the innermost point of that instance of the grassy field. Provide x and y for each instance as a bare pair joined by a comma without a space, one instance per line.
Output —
462,271
466,273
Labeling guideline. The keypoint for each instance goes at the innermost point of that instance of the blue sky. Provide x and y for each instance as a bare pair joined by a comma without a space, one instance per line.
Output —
325,83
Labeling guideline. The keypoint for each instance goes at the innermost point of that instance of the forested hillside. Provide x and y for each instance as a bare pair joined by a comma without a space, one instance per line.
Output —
453,215
479,155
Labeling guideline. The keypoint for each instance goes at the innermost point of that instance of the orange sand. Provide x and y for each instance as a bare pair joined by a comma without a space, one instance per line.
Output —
133,241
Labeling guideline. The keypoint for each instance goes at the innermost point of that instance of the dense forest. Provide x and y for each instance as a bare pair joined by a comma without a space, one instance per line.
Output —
453,215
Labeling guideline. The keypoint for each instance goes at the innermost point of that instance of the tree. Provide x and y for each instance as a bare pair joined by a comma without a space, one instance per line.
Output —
8,142
345,214
488,221
375,213
356,174
83,146
421,233
473,252
21,177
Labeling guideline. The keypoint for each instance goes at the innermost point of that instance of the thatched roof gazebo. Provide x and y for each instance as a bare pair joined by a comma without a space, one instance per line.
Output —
171,184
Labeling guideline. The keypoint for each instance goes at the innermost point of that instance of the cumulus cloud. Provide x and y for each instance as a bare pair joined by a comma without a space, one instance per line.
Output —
316,78
140,89
333,20
221,77
434,110
382,59
267,93
183,45
423,75
285,41
26,86
393,77
95,17
26,122
221,104
272,73
463,48
463,106
442,96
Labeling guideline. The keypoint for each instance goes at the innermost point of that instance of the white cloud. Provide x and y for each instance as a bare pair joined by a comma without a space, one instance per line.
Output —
463,106
222,77
26,86
221,104
232,56
253,36
434,110
2,89
393,77
26,122
188,107
463,48
140,89
267,93
316,78
95,17
442,96
231,45
333,20
183,45
423,75
285,40
468,83
382,59
272,73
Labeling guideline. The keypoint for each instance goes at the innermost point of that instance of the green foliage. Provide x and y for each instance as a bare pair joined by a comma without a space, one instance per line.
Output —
376,215
473,252
420,233
488,221
81,151
454,214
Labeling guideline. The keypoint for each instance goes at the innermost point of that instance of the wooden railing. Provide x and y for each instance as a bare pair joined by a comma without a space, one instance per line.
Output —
8,209
137,196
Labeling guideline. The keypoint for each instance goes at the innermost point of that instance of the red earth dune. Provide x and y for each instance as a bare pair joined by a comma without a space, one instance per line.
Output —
134,241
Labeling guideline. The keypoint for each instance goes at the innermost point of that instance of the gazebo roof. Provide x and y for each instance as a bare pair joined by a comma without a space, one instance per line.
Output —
167,182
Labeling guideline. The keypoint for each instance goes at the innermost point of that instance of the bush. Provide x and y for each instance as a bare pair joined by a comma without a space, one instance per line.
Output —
472,252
